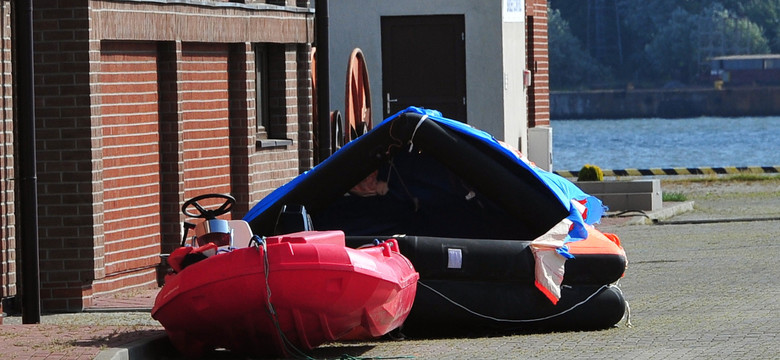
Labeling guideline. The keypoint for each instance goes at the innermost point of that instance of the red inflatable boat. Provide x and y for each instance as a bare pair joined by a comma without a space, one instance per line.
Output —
282,294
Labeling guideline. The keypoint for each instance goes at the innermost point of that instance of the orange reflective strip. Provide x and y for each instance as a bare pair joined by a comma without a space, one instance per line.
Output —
546,292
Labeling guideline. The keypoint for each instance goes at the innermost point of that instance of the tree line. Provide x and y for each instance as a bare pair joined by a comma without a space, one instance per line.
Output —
653,43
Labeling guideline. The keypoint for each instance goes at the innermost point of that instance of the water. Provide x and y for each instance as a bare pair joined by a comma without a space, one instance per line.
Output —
663,143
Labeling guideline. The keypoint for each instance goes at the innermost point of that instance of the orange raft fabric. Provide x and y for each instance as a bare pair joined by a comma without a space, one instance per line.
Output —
550,264
597,243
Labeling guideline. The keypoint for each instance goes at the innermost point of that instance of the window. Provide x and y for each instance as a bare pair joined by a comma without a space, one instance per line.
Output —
269,93
261,89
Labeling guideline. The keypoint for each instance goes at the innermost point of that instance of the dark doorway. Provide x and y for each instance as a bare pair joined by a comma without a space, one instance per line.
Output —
424,64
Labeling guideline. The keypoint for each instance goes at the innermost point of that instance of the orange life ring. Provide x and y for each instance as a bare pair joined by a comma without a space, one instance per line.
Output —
357,114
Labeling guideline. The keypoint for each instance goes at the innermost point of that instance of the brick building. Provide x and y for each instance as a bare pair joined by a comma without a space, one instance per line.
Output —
538,62
143,104
8,185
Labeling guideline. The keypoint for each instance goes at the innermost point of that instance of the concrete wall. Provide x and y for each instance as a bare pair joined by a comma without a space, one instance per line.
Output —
618,104
489,46
515,110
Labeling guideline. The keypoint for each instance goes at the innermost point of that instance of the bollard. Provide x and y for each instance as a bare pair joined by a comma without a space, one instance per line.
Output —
162,269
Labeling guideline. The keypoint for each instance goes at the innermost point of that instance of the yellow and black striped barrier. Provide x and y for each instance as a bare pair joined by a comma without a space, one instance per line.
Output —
682,171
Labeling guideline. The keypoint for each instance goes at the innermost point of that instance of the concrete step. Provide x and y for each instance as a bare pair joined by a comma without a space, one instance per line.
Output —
621,195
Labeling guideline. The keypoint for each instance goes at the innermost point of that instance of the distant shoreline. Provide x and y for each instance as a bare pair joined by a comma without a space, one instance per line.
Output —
665,103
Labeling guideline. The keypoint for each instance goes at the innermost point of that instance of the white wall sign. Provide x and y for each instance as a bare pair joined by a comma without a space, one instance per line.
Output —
513,10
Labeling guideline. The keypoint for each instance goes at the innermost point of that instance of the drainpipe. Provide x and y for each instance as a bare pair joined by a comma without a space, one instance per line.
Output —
323,78
30,284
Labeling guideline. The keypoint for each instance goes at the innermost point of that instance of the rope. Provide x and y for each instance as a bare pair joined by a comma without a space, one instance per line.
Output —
628,213
288,346
516,320
398,143
411,139
628,307
414,199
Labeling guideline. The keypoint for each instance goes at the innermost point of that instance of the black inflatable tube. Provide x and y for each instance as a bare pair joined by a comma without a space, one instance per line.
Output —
484,307
495,260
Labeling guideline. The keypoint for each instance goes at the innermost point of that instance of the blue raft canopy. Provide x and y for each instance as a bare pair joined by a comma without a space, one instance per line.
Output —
418,173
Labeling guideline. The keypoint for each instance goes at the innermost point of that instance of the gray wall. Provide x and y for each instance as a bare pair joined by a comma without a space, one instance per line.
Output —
356,23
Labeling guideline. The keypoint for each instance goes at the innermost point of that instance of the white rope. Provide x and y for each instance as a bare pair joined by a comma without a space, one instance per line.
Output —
514,320
411,139
628,307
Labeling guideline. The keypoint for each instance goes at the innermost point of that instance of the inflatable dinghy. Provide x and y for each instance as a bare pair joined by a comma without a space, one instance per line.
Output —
280,295
499,243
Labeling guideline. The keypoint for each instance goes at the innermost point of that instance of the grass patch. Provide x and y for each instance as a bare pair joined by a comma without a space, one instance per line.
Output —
674,196
754,177
745,177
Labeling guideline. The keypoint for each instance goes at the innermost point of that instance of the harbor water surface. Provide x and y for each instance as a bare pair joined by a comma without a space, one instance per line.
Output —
665,143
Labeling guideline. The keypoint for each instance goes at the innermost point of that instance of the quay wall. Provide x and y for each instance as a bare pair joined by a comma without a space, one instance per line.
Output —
665,103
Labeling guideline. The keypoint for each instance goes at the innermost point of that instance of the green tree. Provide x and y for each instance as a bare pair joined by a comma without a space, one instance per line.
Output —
765,14
681,47
669,52
663,40
721,32
570,64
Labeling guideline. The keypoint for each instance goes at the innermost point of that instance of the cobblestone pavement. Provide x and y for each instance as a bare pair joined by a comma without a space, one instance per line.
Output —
82,335
696,289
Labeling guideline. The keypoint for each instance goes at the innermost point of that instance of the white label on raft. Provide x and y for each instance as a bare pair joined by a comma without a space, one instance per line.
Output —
454,259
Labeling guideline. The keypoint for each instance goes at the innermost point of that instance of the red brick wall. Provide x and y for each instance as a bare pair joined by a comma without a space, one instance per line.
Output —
171,161
205,110
131,163
538,63
7,185
69,198
134,119
305,109
274,167
256,171
242,122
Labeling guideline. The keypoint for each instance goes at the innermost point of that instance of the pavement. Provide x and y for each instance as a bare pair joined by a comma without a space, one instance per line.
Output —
702,282
115,325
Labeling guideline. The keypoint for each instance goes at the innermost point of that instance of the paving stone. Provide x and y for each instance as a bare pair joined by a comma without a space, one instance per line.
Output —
696,291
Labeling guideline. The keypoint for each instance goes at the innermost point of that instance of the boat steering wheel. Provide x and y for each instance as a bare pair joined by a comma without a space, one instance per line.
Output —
204,213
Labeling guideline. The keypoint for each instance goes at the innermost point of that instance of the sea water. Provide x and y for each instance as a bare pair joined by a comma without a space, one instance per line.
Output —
663,143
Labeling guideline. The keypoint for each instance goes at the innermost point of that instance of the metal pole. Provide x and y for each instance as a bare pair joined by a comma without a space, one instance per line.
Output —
29,286
323,78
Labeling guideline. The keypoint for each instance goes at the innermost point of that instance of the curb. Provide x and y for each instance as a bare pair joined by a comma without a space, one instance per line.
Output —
670,210
151,348
681,171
